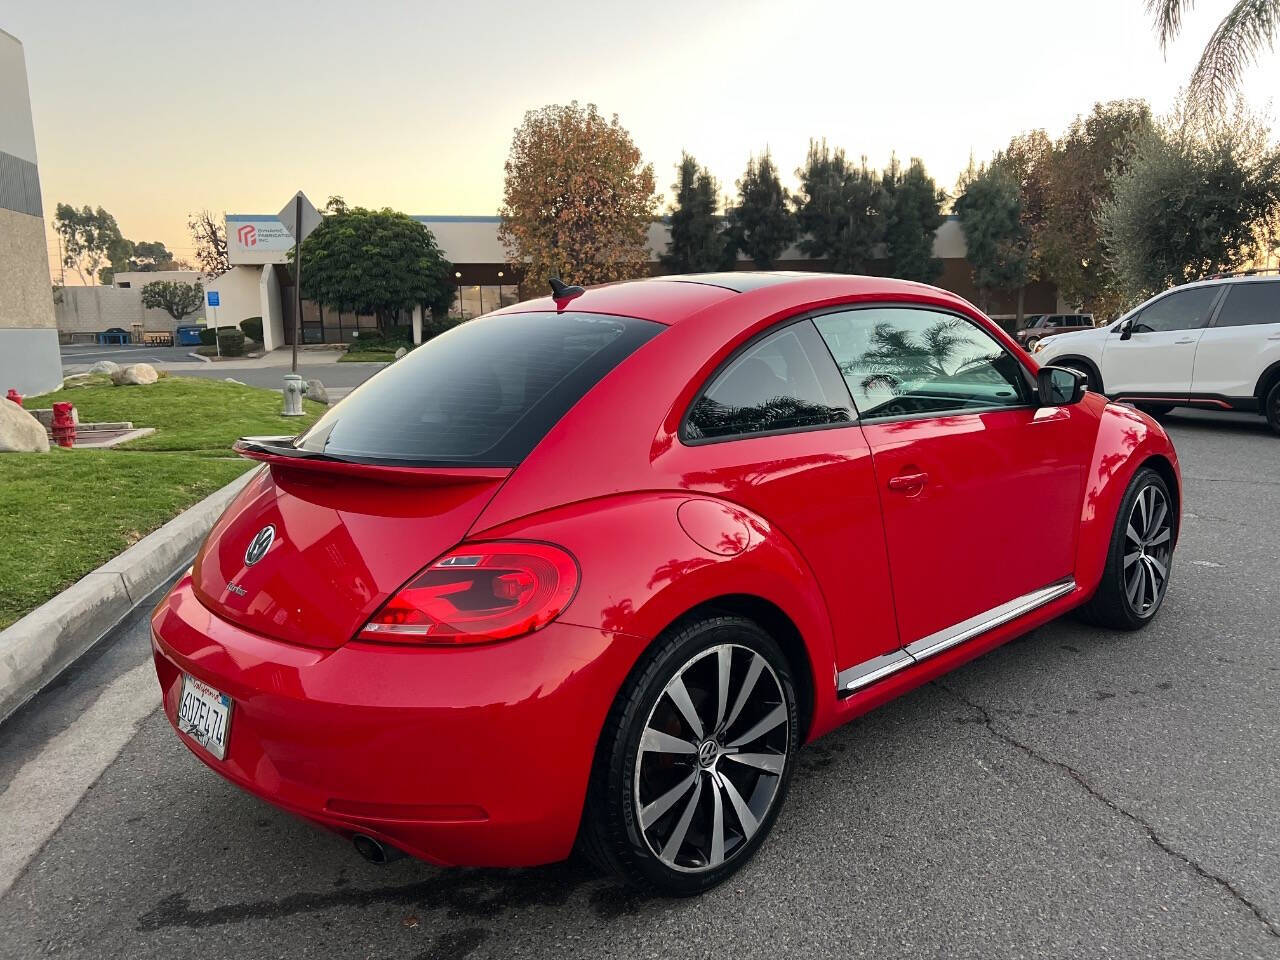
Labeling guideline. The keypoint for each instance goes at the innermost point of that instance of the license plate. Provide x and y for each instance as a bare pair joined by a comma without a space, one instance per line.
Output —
204,714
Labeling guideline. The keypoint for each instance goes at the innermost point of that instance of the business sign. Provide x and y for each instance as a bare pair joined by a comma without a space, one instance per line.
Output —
257,239
215,299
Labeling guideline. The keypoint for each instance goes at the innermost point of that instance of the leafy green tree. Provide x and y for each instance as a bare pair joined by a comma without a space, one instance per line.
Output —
996,242
761,225
913,214
174,297
1249,28
840,210
1192,202
696,240
1028,162
88,237
1095,148
577,199
377,262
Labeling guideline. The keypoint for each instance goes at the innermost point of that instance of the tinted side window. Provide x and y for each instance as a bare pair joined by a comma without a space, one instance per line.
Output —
899,362
1184,310
775,385
1250,303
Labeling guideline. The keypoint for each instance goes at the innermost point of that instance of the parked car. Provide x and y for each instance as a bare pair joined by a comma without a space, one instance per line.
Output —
1043,325
1214,344
591,569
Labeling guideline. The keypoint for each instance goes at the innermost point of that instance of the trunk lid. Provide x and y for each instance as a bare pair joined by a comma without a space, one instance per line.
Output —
342,541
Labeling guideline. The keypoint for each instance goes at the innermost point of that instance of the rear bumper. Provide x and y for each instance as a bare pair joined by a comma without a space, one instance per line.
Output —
474,756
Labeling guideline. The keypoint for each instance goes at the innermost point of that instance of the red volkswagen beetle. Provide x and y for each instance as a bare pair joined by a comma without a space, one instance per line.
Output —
591,569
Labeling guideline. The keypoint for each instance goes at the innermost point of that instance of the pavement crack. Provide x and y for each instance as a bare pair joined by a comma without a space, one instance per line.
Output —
1271,926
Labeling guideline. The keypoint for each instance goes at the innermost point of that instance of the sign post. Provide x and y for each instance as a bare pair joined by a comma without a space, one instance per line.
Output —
214,300
299,217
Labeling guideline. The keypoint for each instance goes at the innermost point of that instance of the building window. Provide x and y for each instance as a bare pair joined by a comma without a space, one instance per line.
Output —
472,300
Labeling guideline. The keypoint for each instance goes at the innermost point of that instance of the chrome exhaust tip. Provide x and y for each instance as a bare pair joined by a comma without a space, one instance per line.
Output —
375,851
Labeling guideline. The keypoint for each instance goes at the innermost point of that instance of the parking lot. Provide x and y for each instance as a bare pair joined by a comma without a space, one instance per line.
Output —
1076,793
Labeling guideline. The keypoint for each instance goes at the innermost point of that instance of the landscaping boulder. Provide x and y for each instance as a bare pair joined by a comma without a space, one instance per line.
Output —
316,392
401,352
105,366
136,374
20,432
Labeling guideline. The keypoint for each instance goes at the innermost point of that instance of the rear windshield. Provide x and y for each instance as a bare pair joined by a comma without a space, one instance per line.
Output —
482,394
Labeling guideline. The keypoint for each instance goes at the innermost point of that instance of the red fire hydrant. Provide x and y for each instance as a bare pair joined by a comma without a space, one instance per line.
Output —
14,395
64,424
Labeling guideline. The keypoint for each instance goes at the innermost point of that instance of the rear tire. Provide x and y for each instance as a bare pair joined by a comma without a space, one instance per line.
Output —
1139,558
669,808
1271,406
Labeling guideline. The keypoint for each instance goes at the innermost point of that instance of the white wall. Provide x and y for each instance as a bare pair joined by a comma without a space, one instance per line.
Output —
238,295
272,309
140,278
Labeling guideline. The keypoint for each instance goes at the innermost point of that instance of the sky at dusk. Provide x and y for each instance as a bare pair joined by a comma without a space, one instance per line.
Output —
153,110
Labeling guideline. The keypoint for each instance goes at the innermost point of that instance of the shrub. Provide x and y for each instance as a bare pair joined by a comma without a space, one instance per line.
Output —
208,334
230,342
252,328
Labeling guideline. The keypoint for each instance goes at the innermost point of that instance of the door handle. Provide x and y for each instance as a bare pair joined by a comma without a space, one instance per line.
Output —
1274,336
1186,340
908,482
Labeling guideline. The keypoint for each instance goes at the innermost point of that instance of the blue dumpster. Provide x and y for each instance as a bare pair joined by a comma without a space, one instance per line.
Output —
189,336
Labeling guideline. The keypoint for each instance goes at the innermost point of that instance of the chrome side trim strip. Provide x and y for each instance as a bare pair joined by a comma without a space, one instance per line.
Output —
877,668
935,643
869,671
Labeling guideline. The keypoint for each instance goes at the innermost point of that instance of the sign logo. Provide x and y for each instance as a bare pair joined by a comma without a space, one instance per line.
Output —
259,545
247,235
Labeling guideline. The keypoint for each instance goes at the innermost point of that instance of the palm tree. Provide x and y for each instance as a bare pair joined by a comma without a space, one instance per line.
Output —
1249,27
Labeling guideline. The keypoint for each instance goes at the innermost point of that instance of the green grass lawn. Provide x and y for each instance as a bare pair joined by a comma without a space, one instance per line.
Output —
68,511
368,356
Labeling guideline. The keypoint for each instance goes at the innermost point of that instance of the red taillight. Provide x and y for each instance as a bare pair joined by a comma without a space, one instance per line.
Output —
478,593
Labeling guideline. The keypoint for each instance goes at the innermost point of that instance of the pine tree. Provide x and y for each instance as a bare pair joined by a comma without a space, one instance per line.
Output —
696,242
914,213
840,209
761,225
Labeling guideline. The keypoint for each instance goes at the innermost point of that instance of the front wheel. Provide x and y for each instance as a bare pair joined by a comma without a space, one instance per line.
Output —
1031,343
694,759
1136,576
1272,407
1090,381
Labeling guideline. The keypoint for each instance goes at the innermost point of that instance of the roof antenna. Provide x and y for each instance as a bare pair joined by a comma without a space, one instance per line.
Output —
562,291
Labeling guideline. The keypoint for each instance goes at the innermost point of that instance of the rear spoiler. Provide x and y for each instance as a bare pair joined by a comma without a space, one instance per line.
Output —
280,452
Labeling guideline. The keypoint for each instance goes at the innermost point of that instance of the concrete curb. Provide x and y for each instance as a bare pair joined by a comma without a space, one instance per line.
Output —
50,638
201,357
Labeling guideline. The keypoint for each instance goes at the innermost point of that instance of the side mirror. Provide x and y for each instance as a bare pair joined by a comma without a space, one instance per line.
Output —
1059,387
1126,329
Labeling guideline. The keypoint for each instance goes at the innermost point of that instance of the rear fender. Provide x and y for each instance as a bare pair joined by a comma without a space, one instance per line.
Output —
643,569
1127,438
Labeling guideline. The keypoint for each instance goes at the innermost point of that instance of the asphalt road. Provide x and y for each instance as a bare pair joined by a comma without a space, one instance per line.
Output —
339,378
1077,793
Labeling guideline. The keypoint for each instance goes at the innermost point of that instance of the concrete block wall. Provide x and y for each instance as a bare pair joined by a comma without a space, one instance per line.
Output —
84,310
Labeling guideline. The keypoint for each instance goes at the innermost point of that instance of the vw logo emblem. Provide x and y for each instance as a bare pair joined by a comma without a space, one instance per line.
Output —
259,545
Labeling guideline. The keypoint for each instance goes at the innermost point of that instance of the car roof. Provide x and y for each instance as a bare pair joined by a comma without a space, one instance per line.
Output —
674,298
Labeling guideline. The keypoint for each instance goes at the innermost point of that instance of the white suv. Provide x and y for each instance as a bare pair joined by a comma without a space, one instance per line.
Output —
1215,343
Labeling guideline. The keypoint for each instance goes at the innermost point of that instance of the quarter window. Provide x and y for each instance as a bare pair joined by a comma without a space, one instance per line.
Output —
779,384
1184,310
904,362
1249,304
